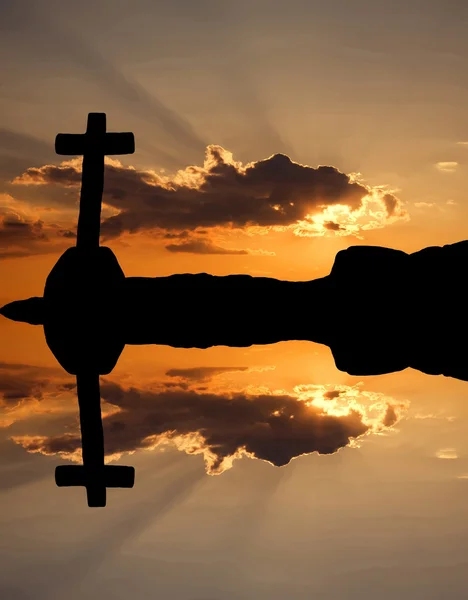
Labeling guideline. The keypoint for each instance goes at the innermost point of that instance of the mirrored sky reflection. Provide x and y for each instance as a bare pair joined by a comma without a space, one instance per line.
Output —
393,500
261,472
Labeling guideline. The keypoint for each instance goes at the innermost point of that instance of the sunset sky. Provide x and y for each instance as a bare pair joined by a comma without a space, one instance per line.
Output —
269,136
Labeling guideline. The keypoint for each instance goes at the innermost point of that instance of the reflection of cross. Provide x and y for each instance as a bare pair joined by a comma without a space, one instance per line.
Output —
93,145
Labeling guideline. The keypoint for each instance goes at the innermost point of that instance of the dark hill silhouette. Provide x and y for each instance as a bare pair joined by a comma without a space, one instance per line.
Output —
379,310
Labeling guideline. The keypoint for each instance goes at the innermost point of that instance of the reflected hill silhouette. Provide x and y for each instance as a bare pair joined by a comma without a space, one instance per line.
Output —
379,310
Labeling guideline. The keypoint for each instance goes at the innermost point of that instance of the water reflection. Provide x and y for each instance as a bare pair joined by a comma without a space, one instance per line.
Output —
186,412
238,408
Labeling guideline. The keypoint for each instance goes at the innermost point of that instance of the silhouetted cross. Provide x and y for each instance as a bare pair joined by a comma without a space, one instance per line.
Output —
93,145
94,475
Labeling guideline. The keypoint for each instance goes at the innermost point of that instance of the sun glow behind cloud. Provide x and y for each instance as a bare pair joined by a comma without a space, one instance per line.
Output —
341,220
273,194
220,423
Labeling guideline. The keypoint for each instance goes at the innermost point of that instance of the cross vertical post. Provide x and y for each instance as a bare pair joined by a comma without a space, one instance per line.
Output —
92,184
92,437
93,146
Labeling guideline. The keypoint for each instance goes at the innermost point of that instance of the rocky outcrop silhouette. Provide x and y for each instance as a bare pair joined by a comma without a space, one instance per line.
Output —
379,310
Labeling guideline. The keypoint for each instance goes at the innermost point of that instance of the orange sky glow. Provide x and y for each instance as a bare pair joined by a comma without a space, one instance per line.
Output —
269,136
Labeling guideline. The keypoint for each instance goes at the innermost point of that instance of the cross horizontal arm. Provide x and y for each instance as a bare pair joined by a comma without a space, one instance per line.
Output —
111,476
119,143
76,144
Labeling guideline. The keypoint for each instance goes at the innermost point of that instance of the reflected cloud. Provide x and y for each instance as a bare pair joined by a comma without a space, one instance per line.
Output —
447,453
447,166
202,373
26,390
271,425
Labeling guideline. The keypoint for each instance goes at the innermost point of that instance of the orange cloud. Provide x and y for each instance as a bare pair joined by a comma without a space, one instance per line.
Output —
276,193
201,246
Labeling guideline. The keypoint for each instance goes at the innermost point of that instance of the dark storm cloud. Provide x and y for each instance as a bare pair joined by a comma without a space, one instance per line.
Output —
272,427
275,192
